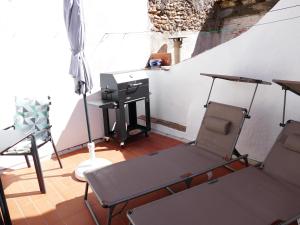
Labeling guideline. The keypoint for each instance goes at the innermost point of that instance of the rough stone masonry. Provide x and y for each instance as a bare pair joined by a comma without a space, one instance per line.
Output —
190,15
178,15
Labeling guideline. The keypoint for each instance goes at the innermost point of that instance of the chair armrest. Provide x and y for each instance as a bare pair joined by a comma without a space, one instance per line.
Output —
12,126
191,142
48,128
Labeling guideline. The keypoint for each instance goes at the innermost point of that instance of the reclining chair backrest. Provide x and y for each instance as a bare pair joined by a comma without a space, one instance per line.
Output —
220,128
283,161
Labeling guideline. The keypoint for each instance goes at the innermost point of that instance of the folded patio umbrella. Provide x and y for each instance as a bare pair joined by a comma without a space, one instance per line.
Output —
74,21
79,69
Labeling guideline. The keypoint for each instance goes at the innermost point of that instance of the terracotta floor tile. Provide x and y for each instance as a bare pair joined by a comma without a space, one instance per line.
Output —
32,215
79,218
48,211
14,209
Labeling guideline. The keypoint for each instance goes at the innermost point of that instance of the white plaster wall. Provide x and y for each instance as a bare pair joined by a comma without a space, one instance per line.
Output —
35,57
264,52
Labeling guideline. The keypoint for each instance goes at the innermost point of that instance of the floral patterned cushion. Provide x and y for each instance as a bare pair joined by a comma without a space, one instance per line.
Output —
33,115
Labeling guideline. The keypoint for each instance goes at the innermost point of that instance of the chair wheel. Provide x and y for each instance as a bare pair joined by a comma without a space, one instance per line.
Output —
146,134
122,144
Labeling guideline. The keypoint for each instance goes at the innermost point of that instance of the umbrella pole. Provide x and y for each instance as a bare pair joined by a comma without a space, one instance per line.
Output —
91,144
87,118
92,162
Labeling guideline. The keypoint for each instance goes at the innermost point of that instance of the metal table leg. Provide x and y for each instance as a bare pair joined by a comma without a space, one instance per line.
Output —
147,114
106,122
121,123
132,114
4,208
37,165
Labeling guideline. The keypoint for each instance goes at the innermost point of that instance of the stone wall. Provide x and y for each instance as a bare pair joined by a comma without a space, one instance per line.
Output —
191,15
225,10
204,23
178,15
228,19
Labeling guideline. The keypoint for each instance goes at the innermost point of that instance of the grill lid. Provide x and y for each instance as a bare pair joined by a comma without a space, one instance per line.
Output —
124,86
129,77
122,80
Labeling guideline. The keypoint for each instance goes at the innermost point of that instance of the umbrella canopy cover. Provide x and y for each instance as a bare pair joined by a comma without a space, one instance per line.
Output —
74,21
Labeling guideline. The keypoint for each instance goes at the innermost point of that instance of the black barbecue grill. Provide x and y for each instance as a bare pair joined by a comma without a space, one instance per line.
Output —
120,91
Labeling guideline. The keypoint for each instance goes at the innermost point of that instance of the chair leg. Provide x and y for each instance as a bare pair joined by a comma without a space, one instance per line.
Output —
37,165
54,147
27,161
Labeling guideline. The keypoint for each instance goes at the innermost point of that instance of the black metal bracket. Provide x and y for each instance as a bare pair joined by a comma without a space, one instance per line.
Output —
251,103
211,87
282,124
237,154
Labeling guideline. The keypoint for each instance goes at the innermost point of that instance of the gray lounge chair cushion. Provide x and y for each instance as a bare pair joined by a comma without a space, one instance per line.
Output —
247,197
134,177
217,142
281,162
218,125
293,143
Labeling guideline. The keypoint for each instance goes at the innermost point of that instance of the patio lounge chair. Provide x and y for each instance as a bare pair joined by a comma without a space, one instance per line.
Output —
252,196
214,147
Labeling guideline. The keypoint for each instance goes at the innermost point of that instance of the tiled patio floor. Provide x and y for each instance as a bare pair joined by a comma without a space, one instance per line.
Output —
63,203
